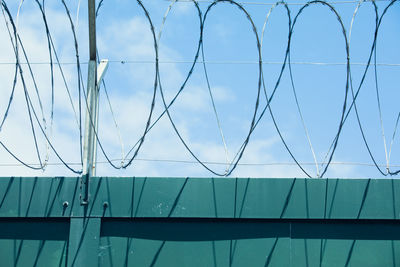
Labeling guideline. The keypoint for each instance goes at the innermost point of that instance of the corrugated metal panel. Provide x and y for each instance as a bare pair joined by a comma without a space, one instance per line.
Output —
200,222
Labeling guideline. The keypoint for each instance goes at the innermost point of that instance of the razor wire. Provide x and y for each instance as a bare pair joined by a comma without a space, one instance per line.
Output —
39,124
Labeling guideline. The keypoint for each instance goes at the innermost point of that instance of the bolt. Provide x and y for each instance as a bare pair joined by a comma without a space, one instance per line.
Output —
105,204
65,204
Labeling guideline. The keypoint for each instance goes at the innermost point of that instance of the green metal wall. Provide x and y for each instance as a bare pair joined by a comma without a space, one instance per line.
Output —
200,222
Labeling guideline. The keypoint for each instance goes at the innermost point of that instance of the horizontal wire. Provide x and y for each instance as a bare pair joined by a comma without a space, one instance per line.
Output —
211,163
254,62
41,63
274,3
218,63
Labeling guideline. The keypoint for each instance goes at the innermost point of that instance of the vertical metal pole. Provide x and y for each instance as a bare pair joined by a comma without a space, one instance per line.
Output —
101,70
92,29
84,235
92,102
83,242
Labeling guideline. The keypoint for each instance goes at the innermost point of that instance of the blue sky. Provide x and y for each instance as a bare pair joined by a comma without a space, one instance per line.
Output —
230,50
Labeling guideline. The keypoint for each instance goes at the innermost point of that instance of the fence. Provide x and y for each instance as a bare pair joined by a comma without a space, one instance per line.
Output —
200,222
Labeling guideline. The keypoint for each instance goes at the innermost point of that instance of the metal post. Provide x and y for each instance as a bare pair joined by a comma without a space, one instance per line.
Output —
92,102
101,70
92,116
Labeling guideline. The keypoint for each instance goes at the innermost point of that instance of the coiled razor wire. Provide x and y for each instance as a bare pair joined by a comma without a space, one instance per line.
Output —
258,111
